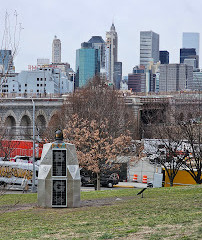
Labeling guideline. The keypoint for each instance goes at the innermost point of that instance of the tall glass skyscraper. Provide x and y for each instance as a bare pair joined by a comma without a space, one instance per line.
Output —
87,64
99,43
191,40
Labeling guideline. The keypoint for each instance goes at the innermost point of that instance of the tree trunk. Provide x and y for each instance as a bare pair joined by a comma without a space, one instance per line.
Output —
98,181
198,179
171,182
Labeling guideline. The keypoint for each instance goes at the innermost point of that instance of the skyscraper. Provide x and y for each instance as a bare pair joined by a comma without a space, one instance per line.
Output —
188,53
87,64
149,47
98,43
56,50
191,40
164,57
6,61
117,74
175,77
111,53
137,80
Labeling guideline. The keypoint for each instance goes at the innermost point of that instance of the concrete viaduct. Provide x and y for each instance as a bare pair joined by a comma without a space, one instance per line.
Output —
16,114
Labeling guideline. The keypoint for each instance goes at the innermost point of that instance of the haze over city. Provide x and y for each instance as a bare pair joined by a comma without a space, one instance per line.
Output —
76,21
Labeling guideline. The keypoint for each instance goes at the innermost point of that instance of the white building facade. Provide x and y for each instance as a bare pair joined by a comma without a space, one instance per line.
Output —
40,82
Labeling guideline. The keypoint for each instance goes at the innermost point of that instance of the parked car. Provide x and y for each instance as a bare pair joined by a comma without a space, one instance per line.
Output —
23,159
106,179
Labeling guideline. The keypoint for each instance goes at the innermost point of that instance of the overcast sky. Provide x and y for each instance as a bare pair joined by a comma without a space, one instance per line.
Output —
75,21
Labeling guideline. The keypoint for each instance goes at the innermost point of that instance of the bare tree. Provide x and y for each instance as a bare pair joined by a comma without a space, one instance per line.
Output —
193,161
181,137
9,48
97,101
96,147
169,150
99,123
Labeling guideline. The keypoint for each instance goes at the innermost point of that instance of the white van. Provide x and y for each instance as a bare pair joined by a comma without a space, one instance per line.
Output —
14,172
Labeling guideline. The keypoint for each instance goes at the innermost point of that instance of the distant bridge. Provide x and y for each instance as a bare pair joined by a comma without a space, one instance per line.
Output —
16,114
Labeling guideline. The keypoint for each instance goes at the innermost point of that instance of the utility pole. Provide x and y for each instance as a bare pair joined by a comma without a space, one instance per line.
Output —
33,159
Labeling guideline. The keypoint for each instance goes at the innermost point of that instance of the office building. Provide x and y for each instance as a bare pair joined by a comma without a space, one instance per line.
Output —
111,54
64,67
188,53
137,80
164,57
175,77
149,47
98,43
153,77
39,82
56,50
196,85
6,61
117,74
87,64
191,62
144,79
191,40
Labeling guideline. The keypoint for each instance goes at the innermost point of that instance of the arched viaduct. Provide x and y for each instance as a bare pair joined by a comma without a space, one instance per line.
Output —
16,114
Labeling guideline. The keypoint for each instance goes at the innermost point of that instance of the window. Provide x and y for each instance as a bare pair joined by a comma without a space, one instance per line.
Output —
45,85
25,84
41,79
37,90
41,85
37,85
45,79
37,79
25,90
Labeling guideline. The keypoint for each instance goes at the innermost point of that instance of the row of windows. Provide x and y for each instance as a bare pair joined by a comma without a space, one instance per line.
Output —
38,79
37,85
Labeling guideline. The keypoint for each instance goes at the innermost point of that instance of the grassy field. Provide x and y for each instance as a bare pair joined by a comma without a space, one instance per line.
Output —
166,213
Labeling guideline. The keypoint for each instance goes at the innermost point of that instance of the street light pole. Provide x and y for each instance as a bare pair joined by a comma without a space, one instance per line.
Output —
33,159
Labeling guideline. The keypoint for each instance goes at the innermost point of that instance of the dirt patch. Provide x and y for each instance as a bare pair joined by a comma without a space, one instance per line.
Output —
84,204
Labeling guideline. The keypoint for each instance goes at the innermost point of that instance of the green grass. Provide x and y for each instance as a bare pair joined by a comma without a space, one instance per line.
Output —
166,213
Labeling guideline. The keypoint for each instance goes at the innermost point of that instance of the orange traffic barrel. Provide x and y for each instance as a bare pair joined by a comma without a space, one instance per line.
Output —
135,178
144,179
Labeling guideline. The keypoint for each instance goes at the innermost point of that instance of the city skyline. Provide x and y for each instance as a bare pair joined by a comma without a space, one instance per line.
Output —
42,20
